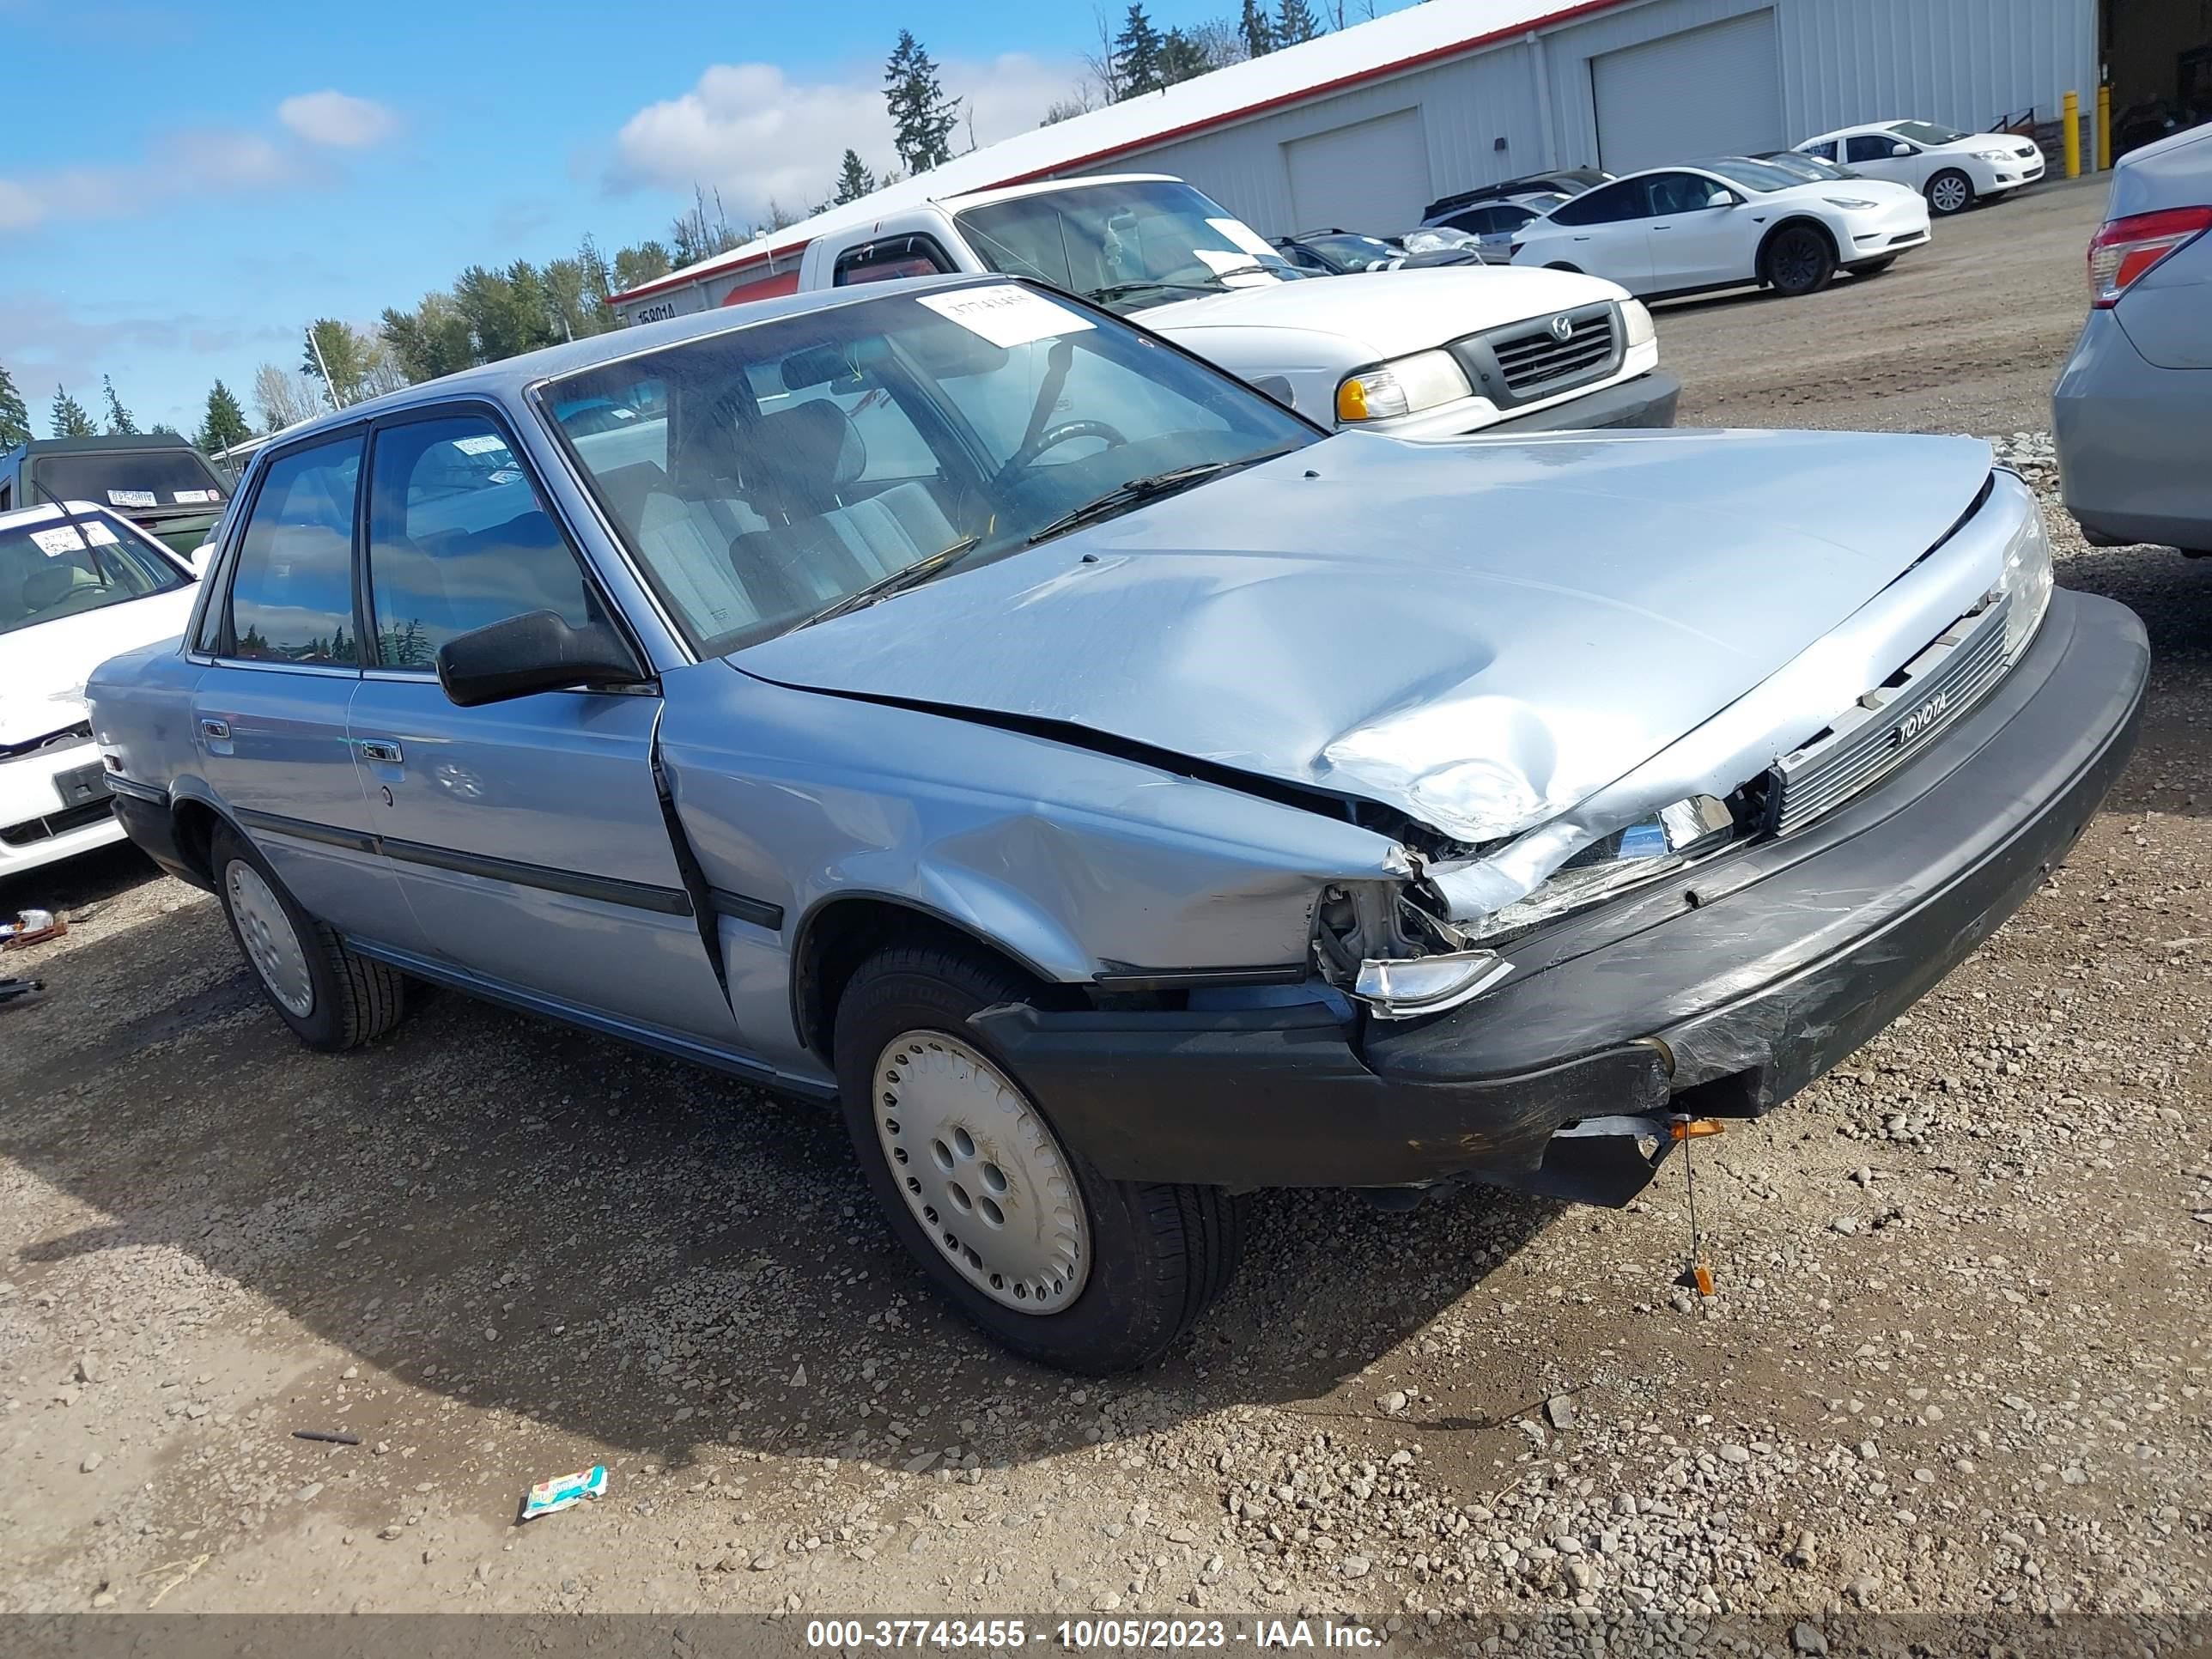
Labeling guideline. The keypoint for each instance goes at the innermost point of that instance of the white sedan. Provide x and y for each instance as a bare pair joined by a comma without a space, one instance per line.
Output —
1723,223
1953,169
78,584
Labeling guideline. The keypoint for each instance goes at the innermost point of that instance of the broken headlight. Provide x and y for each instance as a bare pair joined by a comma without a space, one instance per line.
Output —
1374,940
1651,847
2028,579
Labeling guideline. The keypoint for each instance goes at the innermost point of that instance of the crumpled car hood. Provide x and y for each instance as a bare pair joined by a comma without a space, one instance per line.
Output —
1478,634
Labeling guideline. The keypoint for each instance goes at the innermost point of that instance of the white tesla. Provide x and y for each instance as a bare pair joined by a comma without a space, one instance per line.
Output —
1953,169
1724,222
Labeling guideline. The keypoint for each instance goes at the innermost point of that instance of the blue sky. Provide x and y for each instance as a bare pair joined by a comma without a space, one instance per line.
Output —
182,189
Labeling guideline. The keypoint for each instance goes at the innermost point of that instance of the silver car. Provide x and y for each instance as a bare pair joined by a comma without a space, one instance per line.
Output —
947,699
2133,408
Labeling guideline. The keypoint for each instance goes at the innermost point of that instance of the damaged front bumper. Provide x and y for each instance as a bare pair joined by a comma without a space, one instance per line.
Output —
1721,992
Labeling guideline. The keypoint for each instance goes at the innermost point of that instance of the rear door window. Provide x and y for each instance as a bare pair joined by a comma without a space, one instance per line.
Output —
291,594
1606,205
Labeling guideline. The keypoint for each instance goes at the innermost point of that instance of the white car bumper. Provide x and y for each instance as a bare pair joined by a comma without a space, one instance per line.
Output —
53,805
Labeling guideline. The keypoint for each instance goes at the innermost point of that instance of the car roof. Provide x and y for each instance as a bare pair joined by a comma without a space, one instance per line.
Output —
117,441
508,379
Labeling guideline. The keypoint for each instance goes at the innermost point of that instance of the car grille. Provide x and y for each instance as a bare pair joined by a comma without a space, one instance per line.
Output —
32,830
1519,362
1894,720
1536,357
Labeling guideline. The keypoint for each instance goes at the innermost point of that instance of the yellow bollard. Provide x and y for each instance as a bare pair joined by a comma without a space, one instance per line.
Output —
2071,117
2103,128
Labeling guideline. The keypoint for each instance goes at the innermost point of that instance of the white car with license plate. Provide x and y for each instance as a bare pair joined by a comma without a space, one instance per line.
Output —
1953,169
1723,223
78,584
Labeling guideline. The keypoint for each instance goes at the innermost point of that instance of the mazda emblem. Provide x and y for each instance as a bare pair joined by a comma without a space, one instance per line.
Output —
1563,328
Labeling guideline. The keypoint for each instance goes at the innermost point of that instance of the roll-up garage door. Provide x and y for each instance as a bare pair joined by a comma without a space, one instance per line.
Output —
1711,91
1372,177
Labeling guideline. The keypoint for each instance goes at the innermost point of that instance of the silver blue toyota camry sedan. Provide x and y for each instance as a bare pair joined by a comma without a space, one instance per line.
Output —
945,699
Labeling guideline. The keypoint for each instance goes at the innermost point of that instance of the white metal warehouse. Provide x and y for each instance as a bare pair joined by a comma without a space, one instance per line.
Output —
1364,127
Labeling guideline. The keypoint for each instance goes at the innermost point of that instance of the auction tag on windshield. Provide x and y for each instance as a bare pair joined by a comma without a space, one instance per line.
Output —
98,534
1005,316
57,540
132,498
1236,231
194,497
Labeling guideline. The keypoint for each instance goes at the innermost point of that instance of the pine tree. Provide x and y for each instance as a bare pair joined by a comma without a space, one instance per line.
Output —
120,424
225,423
1136,54
1258,33
1181,57
854,181
15,418
922,117
68,419
1294,22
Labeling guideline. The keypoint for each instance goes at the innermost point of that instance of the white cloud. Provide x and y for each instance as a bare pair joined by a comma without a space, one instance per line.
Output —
751,133
338,119
178,166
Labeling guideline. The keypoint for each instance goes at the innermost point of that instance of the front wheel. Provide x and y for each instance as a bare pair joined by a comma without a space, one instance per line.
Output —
1799,261
1950,191
1013,1227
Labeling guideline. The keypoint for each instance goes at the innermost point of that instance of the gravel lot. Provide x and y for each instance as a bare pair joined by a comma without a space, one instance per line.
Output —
1957,1363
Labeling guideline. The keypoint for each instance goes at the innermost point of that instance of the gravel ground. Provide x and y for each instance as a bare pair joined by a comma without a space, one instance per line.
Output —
1958,1362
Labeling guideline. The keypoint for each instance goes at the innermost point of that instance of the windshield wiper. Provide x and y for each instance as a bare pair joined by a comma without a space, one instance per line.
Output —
1148,487
1116,291
906,576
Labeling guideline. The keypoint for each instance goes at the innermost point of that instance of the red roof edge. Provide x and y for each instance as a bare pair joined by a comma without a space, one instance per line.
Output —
1396,66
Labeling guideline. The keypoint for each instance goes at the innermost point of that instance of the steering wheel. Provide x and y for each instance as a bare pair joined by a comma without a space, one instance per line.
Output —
1053,436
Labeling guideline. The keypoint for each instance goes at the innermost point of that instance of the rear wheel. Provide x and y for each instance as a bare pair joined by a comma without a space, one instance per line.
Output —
1013,1227
331,997
1950,191
1799,259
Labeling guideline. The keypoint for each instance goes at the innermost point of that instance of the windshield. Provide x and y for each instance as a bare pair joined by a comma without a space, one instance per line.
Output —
136,480
1811,168
802,460
1752,175
67,565
1926,132
1125,245
1356,253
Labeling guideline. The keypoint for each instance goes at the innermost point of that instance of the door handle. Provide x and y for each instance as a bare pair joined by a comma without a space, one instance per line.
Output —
219,729
380,748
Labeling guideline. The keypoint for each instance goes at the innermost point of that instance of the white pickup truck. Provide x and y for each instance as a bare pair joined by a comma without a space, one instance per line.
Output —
1431,353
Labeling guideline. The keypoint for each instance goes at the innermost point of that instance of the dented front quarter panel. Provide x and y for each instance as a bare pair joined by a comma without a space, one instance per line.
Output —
1076,862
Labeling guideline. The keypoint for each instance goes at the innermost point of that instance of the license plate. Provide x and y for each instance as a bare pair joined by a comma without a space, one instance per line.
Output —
82,785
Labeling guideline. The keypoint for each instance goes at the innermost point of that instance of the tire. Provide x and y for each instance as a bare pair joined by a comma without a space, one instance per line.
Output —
1874,267
1129,1267
1797,260
331,997
1949,192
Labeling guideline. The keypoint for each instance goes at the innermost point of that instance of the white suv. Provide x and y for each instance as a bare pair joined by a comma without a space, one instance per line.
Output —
1953,169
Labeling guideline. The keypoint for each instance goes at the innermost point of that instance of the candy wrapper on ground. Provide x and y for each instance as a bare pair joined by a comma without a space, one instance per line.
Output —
564,1491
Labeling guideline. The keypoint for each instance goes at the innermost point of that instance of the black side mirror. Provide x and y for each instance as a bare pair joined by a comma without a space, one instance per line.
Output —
535,652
